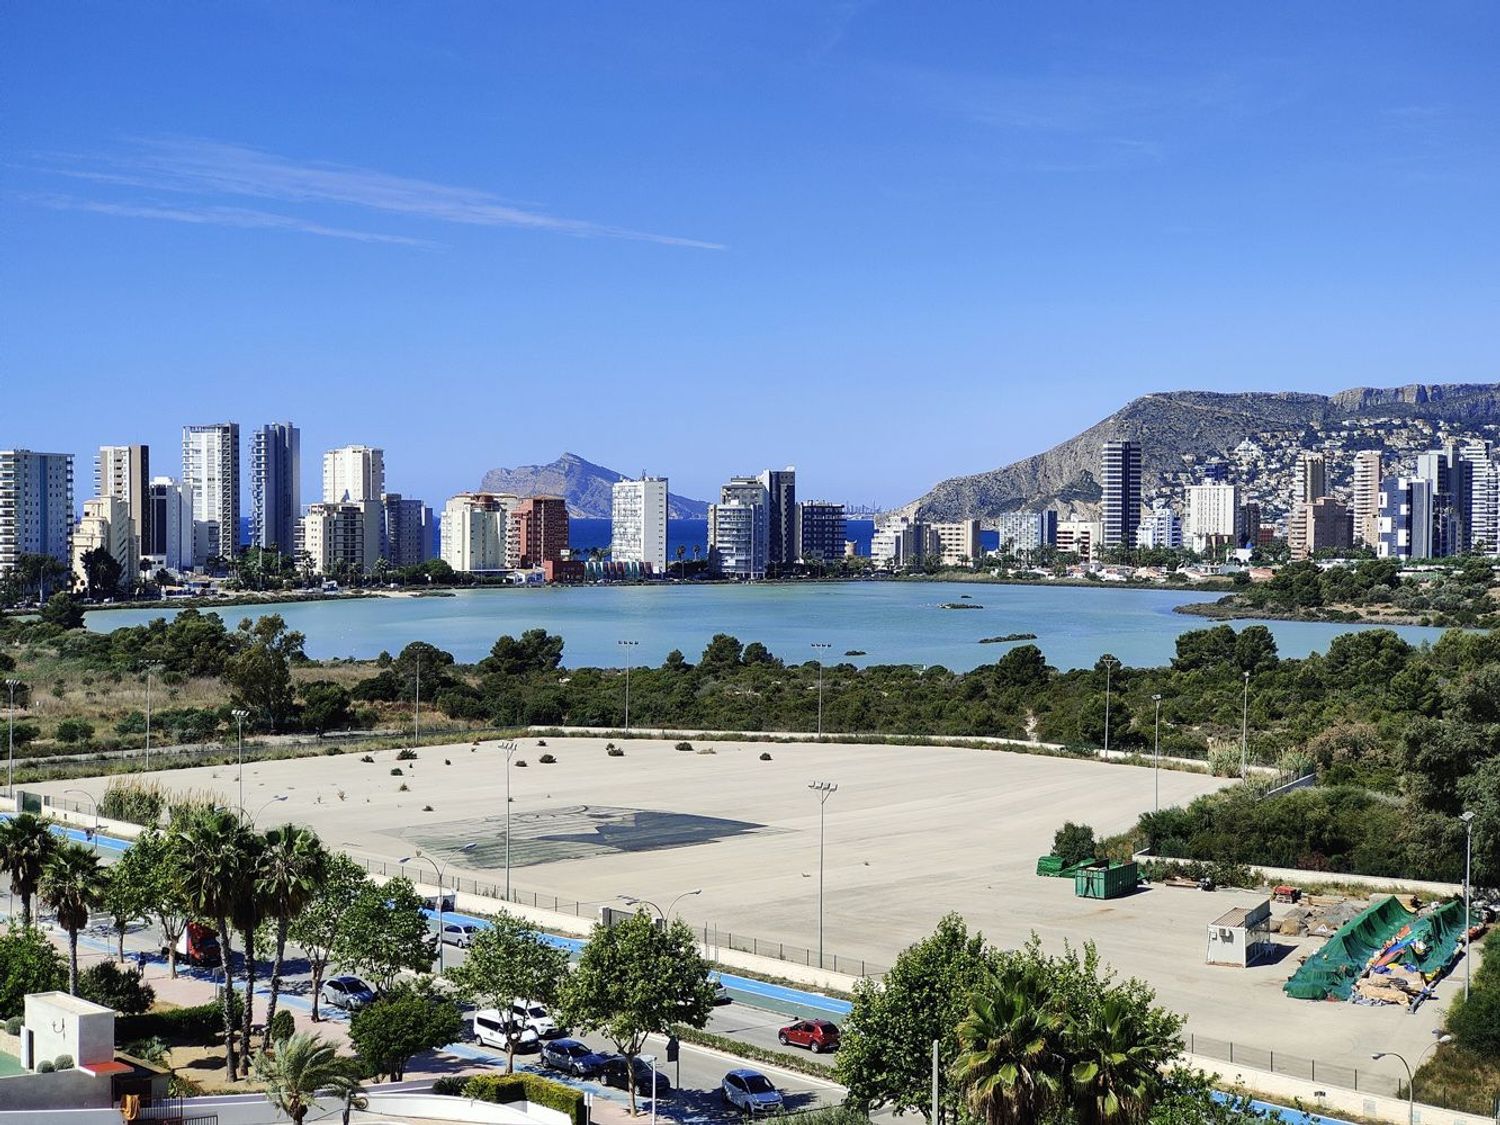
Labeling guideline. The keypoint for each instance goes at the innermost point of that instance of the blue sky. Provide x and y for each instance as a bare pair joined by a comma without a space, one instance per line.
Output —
888,243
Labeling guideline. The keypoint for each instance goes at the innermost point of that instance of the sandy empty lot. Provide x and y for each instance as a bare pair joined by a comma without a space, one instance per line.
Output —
911,833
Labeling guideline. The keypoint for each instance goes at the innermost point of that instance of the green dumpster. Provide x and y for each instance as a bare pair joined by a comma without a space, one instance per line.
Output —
1106,880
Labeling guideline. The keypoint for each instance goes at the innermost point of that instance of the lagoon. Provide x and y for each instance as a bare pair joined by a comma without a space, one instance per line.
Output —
893,622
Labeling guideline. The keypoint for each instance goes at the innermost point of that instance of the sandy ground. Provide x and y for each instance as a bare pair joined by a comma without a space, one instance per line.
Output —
911,833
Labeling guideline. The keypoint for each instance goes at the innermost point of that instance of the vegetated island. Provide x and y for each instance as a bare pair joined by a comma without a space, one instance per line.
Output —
855,652
960,605
1007,637
1462,592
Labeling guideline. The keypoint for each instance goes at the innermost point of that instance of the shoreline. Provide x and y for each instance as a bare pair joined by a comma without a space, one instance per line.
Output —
1215,611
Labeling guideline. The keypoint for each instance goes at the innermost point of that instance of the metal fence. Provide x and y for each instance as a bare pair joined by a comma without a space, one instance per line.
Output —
712,937
1294,1066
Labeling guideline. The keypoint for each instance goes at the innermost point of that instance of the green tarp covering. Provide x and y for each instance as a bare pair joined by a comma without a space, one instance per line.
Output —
1053,866
1333,970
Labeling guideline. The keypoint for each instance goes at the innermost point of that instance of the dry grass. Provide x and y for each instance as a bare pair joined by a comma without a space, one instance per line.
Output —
1457,1078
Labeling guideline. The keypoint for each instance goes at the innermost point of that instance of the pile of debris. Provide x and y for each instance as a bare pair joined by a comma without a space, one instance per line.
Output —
1320,916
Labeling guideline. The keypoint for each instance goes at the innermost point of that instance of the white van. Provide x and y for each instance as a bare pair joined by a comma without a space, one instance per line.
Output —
489,1031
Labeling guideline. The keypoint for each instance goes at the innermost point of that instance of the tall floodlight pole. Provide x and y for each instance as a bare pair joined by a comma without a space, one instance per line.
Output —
240,715
1468,819
416,715
10,781
626,647
1157,755
1245,731
152,668
824,790
818,647
1109,663
510,749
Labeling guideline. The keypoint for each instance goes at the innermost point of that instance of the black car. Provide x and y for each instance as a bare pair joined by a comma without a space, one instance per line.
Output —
615,1073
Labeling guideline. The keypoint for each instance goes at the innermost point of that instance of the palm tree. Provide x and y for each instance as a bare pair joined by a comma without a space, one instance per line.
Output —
303,1069
249,913
72,885
215,849
26,843
1119,1053
1009,1065
292,868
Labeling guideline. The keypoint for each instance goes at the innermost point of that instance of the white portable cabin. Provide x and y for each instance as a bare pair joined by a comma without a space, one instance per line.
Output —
1240,936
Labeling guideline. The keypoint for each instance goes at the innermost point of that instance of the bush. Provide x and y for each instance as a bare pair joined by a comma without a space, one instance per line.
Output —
283,1025
547,759
45,1067
403,788
63,1062
407,755
765,755
614,751
73,731
178,1025
153,1050
449,1086
530,1088
1074,842
367,758
397,771
541,742
121,989
520,763
135,801
426,808
14,1024
685,747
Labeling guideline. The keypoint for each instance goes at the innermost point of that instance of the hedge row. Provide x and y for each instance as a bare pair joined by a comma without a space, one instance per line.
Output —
530,1088
751,1051
176,1025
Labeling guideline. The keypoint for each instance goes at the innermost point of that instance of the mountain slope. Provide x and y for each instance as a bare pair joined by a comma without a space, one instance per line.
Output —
585,486
1176,427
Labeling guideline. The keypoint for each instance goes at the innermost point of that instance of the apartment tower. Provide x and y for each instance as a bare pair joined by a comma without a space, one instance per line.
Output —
275,486
1120,479
211,470
123,472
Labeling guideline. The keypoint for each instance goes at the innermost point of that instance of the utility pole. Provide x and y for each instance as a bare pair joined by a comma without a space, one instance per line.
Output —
1109,666
10,781
1245,731
510,749
818,647
626,647
240,715
151,668
1157,756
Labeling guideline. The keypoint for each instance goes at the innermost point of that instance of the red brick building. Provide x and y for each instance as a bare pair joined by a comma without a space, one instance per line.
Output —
538,532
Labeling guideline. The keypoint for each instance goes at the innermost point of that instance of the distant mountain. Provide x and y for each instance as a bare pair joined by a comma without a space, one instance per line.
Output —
1180,429
585,486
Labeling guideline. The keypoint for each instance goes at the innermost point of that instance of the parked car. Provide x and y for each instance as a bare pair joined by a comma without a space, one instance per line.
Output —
491,1025
536,1018
347,992
461,934
615,1072
573,1057
750,1091
816,1035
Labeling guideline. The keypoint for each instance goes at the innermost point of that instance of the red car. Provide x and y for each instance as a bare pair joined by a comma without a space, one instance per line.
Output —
816,1035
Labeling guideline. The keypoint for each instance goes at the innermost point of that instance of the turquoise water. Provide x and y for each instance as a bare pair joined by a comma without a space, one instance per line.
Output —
893,622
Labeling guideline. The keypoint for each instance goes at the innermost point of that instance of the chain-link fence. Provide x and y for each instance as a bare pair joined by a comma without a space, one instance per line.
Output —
1293,1066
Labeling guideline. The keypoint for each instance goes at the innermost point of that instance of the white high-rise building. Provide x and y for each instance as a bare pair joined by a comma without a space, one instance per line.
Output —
1366,498
172,526
474,528
737,539
1214,517
348,534
124,472
638,522
1159,528
211,470
36,506
106,524
1484,497
353,473
958,544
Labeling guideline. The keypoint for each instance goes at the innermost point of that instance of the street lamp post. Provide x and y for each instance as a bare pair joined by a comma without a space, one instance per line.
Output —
1156,756
824,790
510,749
240,715
1411,1080
665,915
626,647
1468,819
93,839
271,801
1245,731
416,715
1109,663
152,667
470,846
10,779
818,647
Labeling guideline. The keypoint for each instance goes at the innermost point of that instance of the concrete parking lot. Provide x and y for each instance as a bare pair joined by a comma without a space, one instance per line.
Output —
911,833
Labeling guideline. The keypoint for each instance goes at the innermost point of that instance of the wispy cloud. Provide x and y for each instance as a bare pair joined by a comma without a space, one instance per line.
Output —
245,218
214,168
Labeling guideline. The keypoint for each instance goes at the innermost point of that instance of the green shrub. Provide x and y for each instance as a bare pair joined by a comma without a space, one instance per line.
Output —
548,759
614,751
685,747
63,1062
283,1024
366,758
521,763
73,731
530,1088
765,755
178,1025
397,771
153,1050
407,755
1074,842
115,987
45,1067
449,1086
14,1024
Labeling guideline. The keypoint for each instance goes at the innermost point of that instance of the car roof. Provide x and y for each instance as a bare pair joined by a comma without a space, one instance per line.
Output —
345,978
745,1072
